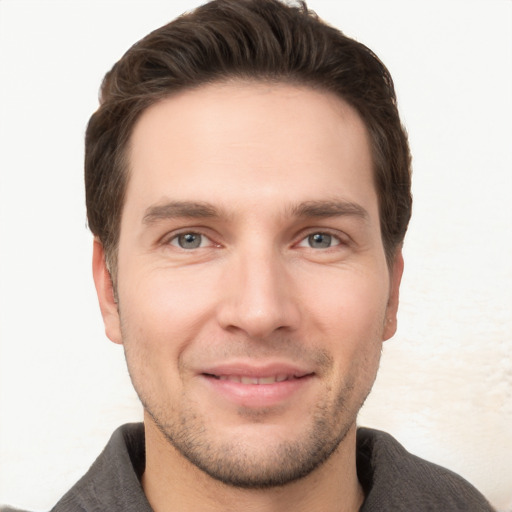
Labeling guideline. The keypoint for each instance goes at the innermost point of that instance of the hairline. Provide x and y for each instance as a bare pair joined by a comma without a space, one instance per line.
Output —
245,78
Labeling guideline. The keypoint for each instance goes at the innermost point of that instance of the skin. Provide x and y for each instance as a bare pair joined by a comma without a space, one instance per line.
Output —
274,185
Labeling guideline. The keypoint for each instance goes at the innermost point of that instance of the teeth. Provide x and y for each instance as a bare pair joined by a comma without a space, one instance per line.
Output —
267,380
255,380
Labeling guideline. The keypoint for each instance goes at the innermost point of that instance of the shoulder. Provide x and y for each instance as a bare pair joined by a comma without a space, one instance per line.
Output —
396,480
113,481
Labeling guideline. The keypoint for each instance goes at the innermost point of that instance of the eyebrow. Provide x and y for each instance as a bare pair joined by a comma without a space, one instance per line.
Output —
204,210
177,209
320,209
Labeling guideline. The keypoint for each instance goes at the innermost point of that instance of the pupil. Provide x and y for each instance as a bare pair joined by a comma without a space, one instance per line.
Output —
189,241
320,240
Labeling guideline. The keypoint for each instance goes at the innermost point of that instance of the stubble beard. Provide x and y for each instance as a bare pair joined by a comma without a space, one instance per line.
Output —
233,463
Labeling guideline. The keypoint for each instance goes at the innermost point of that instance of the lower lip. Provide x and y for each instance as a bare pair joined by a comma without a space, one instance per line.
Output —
258,395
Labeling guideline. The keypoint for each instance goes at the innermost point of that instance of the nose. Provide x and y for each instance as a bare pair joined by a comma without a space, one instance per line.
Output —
258,296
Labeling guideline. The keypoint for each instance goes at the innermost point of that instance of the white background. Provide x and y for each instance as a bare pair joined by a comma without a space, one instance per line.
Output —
445,387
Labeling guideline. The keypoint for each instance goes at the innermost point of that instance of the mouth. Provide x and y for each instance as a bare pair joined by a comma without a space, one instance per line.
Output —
255,380
255,387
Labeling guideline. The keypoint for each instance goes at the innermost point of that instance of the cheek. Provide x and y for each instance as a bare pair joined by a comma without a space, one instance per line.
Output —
165,306
351,307
164,313
349,316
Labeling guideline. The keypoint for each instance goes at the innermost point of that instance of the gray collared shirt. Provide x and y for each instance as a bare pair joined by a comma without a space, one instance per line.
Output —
393,479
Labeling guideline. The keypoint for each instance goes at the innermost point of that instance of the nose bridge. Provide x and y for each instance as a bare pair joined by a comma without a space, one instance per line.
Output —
259,297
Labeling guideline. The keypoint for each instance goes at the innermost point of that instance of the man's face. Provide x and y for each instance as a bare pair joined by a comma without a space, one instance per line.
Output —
253,288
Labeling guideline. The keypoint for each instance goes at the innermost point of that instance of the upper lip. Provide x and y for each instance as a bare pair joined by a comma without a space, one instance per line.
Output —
257,371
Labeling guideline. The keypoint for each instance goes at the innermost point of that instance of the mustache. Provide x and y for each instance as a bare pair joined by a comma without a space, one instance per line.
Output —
286,349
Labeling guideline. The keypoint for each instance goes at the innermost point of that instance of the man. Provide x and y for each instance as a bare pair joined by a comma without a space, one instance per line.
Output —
248,186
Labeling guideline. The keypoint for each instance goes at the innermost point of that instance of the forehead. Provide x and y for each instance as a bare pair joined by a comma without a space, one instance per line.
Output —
249,142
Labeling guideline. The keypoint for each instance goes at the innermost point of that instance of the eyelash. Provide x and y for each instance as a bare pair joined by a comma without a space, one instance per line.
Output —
339,241
330,236
176,236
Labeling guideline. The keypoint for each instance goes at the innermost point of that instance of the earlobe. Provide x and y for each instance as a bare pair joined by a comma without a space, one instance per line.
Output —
390,323
105,292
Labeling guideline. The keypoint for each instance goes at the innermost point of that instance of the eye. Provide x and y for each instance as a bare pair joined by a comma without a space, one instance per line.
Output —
320,241
189,240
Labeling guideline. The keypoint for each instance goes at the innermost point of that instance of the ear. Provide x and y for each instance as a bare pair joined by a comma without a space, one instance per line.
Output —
105,292
390,323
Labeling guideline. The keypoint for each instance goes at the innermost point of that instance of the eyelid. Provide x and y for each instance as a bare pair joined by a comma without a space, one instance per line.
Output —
173,235
342,238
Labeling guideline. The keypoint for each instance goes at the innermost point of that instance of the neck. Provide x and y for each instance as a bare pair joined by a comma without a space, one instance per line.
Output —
172,483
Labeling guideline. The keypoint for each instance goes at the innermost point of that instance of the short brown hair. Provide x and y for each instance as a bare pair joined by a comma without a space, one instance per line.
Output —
244,39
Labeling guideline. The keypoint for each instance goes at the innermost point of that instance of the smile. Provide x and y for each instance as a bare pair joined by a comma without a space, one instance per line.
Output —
242,379
255,388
